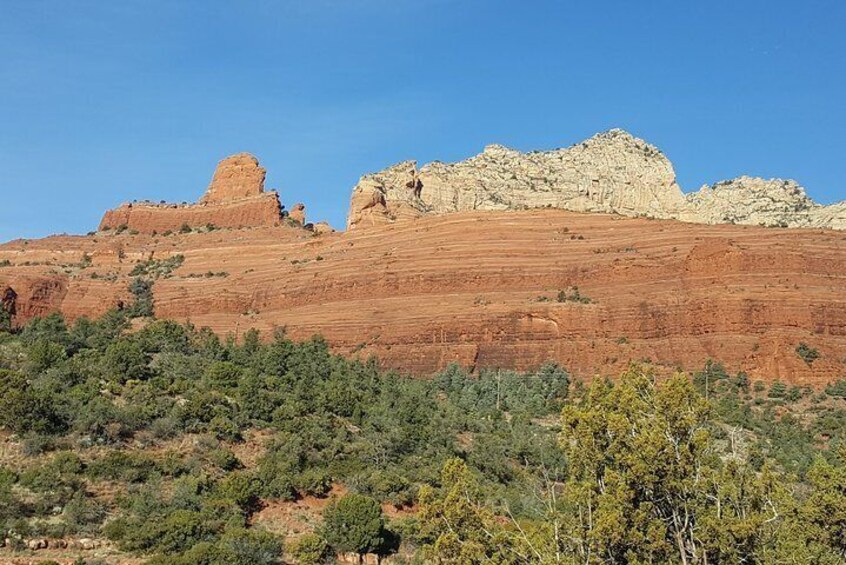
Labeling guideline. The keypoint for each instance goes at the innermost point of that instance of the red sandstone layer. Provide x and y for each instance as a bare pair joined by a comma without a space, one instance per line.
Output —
260,210
481,289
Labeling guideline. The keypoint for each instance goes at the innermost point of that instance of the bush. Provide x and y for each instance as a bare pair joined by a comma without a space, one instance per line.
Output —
223,374
309,549
354,524
241,490
82,512
314,482
808,354
573,296
23,409
142,291
5,319
837,389
171,534
123,466
157,267
248,547
124,360
777,390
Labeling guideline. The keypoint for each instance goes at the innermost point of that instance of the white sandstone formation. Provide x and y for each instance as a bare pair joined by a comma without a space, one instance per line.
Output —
612,172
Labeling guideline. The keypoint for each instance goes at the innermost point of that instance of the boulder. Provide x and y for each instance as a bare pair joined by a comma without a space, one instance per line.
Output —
297,213
322,227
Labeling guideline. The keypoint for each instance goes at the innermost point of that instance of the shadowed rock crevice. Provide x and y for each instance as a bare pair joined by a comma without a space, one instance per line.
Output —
8,308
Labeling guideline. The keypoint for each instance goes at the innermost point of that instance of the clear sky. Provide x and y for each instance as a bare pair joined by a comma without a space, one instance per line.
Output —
104,102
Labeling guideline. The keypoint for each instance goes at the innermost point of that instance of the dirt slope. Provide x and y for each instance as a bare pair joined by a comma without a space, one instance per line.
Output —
480,288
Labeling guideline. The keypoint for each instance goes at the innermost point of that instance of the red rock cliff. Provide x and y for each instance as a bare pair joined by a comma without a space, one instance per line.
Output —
481,289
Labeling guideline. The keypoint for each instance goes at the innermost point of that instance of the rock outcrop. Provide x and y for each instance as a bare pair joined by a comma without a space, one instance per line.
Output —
297,213
234,199
612,172
235,177
772,202
322,227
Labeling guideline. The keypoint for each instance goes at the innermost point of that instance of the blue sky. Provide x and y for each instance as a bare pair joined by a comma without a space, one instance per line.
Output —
105,102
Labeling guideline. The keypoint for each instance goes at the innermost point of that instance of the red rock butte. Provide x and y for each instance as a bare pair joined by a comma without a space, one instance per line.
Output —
482,288
234,199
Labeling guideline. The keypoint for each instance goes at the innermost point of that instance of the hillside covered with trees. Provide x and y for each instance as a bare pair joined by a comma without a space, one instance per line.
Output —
169,443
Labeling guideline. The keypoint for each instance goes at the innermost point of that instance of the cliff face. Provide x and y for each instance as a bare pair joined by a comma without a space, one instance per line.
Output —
263,210
612,172
487,275
235,198
482,289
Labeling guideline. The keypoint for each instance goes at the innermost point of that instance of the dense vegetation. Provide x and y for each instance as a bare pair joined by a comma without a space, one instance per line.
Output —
134,436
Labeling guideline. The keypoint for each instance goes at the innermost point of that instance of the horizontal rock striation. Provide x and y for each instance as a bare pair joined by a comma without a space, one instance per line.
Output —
612,172
262,210
482,289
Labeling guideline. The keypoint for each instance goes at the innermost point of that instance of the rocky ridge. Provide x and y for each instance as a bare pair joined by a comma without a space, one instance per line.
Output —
485,277
612,172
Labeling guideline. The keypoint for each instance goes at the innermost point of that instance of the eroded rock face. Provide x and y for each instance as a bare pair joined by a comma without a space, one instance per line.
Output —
612,172
480,289
387,196
236,177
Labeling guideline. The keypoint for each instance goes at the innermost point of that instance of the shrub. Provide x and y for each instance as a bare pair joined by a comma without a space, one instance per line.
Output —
142,291
241,546
777,390
123,466
573,296
23,409
223,374
309,549
5,319
241,490
178,531
354,524
82,512
314,482
125,360
157,267
808,354
837,389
